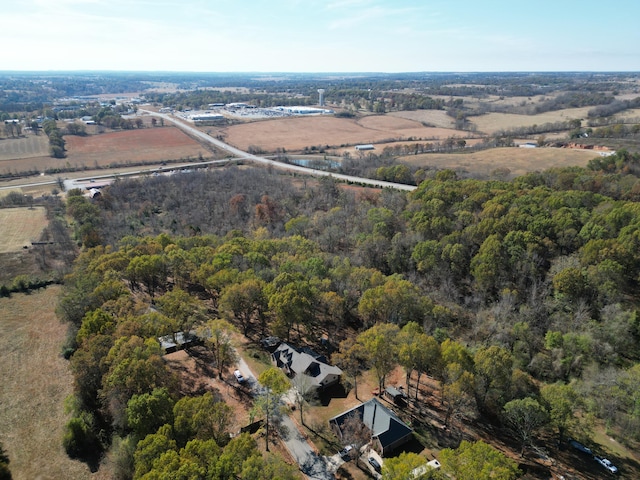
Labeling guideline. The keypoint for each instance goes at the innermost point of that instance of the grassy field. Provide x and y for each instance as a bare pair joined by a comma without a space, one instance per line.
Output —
20,226
23,147
436,118
518,161
35,382
493,122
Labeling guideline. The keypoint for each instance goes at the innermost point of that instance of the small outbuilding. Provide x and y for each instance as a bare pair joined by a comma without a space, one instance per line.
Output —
396,396
365,147
178,341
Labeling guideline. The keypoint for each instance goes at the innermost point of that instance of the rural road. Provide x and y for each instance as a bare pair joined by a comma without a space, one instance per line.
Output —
314,466
265,161
235,152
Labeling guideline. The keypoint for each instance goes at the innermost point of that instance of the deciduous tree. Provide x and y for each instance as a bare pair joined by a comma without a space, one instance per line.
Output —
245,302
561,401
525,416
217,337
379,345
478,461
275,383
402,467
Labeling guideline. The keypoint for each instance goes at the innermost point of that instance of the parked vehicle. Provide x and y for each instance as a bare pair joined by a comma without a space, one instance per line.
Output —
375,464
345,453
238,376
606,464
580,447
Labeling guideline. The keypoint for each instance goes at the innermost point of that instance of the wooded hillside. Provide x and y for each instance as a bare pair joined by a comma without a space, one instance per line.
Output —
524,293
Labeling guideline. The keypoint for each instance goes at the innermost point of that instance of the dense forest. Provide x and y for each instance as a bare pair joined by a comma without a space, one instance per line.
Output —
519,297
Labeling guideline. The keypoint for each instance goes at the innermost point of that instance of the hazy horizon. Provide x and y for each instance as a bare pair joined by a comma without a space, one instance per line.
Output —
314,36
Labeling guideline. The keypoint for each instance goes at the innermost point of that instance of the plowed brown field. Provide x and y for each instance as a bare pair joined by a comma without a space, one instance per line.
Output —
300,132
146,145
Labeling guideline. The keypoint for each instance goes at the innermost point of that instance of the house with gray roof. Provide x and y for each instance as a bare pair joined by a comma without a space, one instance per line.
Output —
388,432
304,361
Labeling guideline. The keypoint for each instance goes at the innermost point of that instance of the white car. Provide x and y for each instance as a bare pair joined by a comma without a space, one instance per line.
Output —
238,375
606,464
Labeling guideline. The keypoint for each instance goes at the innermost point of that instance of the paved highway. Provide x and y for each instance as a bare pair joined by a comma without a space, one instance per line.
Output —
235,152
265,161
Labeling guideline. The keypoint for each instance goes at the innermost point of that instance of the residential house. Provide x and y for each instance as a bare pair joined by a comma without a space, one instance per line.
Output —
304,361
388,432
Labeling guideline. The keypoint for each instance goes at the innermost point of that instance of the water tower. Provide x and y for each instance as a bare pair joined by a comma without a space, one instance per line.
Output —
321,97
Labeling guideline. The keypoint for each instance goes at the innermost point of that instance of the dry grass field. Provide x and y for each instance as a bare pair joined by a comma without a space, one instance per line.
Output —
35,382
437,118
493,122
23,147
297,133
19,226
518,160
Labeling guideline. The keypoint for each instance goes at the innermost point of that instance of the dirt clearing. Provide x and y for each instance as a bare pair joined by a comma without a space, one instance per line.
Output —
197,376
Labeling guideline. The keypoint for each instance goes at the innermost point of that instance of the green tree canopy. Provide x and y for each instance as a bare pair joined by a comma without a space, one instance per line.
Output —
478,461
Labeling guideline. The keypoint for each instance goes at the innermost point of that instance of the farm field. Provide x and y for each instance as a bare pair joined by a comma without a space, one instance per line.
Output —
35,382
493,122
23,147
143,145
438,118
297,133
147,145
19,226
519,161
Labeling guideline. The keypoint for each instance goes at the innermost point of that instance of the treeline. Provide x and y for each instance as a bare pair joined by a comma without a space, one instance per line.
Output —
56,142
574,100
618,130
539,129
616,106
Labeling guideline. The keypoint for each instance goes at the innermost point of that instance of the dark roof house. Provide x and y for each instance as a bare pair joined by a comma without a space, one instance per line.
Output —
303,361
388,432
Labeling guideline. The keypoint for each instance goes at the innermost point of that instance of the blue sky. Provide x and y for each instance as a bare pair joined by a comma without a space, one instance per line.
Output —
320,36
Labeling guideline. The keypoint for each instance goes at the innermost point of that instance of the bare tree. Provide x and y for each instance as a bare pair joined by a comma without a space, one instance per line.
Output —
304,392
355,432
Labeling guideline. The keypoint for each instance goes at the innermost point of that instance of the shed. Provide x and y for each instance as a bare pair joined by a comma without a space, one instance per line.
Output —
177,341
398,397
